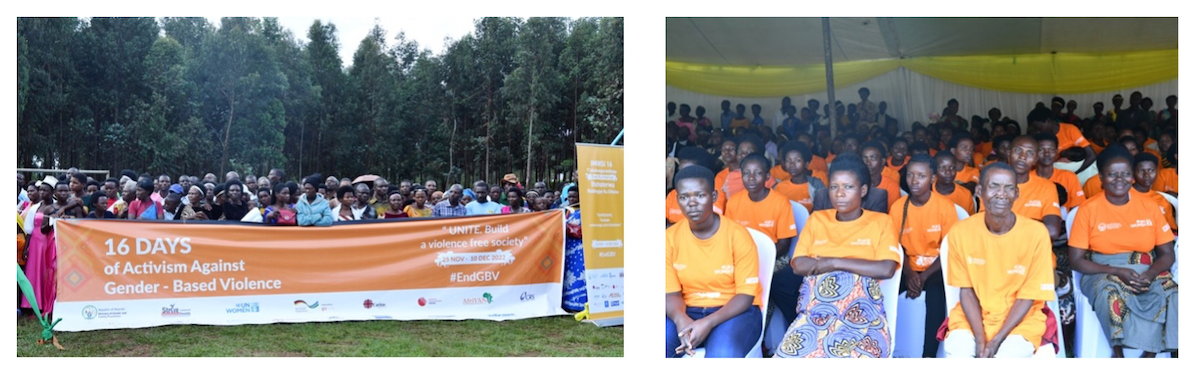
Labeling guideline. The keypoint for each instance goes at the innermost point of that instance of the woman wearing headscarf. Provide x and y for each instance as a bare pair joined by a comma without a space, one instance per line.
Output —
843,254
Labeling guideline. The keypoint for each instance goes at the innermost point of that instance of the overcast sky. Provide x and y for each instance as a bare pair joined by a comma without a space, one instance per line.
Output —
429,31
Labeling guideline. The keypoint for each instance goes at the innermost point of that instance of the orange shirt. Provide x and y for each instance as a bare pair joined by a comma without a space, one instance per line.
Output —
978,159
961,197
1002,269
818,164
870,237
719,179
733,183
893,189
779,174
1069,136
923,232
1136,226
795,192
967,174
710,272
1168,211
1092,187
1167,181
1070,182
675,214
773,215
984,148
892,174
1038,198
897,167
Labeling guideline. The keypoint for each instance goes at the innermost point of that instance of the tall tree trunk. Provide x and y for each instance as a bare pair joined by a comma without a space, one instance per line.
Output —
225,148
529,148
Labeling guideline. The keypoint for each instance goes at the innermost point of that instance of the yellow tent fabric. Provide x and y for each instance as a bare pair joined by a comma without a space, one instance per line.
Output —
751,81
1026,73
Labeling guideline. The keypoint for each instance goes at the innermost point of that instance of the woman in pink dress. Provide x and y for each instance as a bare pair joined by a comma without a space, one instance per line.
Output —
41,265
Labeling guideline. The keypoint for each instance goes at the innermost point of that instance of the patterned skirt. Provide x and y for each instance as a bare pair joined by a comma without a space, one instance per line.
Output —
1148,321
840,315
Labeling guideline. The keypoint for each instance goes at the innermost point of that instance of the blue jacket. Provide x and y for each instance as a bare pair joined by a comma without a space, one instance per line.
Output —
313,214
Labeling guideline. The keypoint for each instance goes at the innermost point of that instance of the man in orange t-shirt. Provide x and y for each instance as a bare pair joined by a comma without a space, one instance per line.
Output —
1038,198
1047,153
1004,267
712,287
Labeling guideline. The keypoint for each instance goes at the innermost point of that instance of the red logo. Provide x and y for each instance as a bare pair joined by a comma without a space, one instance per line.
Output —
421,301
368,304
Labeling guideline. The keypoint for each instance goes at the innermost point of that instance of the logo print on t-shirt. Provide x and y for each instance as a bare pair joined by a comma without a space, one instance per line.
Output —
1034,203
725,269
1108,226
935,228
866,242
679,266
1017,269
975,261
767,224
1141,223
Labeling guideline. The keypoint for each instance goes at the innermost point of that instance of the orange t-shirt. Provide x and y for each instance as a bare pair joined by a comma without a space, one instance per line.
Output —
1069,136
772,216
893,189
1070,182
1167,181
985,149
710,272
892,174
897,167
1092,187
1038,198
961,197
1002,269
1165,206
733,183
818,164
795,192
779,174
978,159
967,174
923,232
719,179
870,237
1137,226
675,214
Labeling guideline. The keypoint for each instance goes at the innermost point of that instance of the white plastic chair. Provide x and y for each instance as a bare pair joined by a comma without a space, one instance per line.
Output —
776,326
910,337
953,294
1090,341
1174,203
766,268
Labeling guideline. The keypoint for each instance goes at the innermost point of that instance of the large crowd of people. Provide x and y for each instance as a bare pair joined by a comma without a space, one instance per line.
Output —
996,190
271,200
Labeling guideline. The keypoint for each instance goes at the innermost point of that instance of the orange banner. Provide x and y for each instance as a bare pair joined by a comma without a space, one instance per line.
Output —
122,260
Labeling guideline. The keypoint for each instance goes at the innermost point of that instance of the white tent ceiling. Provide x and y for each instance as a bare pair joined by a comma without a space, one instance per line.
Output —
798,41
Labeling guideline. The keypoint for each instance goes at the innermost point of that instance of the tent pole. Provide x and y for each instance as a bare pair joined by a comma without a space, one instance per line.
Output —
834,124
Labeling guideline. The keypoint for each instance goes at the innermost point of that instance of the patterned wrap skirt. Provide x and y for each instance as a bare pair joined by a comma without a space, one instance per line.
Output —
840,315
1148,321
574,281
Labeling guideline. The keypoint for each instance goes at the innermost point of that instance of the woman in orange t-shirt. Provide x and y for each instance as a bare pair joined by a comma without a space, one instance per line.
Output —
922,220
712,284
1145,171
945,186
1124,249
843,253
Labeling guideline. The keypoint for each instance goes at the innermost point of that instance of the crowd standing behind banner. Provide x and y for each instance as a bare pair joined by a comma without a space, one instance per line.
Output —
268,200
1060,162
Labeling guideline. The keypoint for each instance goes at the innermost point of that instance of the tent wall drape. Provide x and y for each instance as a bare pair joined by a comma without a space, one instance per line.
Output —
1026,73
912,96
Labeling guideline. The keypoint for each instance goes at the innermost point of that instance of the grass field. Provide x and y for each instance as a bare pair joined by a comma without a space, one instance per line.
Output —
540,337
